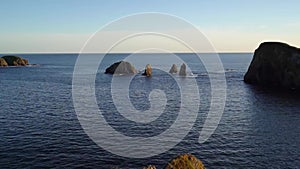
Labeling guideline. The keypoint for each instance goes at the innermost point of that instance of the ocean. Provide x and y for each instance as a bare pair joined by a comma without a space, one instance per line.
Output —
39,127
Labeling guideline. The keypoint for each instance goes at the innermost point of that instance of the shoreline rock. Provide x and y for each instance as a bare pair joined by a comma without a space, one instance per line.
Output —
275,64
121,67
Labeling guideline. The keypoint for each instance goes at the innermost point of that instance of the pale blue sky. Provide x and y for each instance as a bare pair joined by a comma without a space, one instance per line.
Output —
64,25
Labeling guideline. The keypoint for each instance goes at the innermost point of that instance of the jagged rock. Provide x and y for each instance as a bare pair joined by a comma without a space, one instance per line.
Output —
182,71
121,67
150,167
148,70
275,64
3,63
185,161
15,61
173,69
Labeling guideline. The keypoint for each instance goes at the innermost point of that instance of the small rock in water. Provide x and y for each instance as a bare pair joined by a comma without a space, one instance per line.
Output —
182,71
148,70
173,69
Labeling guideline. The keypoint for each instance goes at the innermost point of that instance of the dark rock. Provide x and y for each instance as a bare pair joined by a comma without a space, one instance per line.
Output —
182,71
3,63
275,64
173,69
148,70
15,61
186,161
121,67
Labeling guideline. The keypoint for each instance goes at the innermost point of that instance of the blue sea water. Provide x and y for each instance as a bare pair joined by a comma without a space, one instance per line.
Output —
39,127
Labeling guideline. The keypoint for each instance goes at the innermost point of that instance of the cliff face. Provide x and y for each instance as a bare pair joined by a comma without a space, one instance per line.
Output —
275,64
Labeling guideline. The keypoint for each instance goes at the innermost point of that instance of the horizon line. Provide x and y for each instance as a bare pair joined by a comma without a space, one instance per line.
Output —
20,53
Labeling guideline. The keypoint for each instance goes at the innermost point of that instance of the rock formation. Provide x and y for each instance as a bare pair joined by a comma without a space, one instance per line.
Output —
182,71
121,67
173,69
275,64
14,61
150,167
148,70
3,63
186,161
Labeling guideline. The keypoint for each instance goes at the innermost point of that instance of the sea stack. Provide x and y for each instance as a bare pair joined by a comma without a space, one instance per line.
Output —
275,64
173,69
182,71
148,71
122,67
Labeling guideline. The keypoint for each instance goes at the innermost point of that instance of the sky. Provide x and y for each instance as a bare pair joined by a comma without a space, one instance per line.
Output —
64,26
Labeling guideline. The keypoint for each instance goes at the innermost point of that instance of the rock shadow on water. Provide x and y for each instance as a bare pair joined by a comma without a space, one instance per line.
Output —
274,92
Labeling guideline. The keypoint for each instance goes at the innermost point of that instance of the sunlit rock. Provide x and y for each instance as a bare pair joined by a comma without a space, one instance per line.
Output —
150,167
148,70
185,161
3,63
